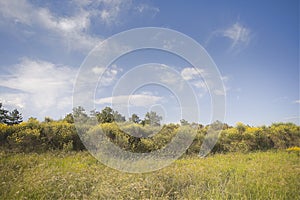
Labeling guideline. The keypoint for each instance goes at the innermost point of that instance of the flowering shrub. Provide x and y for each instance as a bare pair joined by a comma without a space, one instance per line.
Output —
57,135
294,150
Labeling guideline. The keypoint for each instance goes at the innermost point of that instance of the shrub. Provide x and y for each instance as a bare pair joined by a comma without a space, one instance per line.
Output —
57,135
25,140
284,135
294,150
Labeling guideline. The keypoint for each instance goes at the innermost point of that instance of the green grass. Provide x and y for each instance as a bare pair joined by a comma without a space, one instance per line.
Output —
77,175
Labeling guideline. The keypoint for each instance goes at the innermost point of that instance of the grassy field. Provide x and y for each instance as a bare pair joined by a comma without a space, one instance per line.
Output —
77,175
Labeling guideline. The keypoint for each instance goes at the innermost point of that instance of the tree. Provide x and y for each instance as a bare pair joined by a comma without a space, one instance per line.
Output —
3,114
183,122
48,120
14,117
10,118
106,115
240,127
69,118
226,126
216,125
135,119
152,118
117,117
94,113
80,115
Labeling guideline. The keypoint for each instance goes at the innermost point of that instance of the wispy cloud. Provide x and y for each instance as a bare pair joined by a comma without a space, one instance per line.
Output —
131,100
74,29
197,78
108,76
145,7
13,100
297,101
43,88
190,73
112,10
238,34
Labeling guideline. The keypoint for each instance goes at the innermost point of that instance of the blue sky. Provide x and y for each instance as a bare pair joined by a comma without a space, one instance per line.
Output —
255,45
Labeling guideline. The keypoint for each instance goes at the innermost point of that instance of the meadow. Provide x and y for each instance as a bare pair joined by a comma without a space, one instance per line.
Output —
77,175
47,160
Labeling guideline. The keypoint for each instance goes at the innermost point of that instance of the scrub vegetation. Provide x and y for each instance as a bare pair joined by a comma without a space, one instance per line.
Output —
47,160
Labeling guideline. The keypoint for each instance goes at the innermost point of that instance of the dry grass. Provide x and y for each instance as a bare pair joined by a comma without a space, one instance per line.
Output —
77,175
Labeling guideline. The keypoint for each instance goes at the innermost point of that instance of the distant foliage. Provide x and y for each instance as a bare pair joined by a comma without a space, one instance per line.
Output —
135,135
39,136
60,135
10,118
152,118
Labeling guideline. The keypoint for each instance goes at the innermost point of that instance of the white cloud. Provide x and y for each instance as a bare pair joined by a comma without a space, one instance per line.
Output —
108,76
44,88
110,15
200,84
134,100
194,76
220,92
98,70
144,7
238,34
72,30
143,99
297,101
170,78
105,15
198,80
19,10
35,75
225,78
13,100
113,9
112,12
190,73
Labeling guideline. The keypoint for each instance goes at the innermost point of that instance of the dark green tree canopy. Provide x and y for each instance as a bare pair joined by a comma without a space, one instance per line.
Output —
152,118
135,119
80,115
69,118
184,122
108,115
118,117
3,114
10,118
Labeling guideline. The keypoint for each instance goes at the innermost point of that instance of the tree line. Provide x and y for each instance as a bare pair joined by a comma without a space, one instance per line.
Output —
139,135
108,115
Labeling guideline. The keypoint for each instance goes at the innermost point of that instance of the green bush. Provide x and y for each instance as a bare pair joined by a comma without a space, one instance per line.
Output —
284,135
57,135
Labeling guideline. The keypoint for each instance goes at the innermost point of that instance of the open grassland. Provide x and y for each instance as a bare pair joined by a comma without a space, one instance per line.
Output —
77,175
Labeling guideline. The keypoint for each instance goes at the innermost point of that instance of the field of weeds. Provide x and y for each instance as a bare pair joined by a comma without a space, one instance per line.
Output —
77,175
